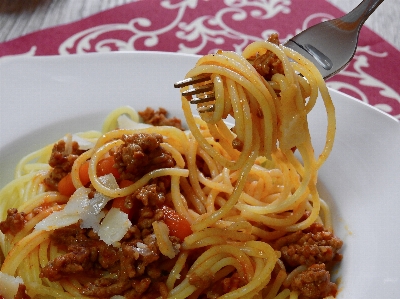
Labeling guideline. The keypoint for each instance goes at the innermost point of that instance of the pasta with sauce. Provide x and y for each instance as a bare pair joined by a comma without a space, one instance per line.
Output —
152,211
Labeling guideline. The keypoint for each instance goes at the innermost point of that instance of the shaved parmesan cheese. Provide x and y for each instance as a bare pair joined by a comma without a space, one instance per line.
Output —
91,217
78,202
90,220
9,285
124,122
114,226
109,181
84,144
80,207
161,231
90,210
143,249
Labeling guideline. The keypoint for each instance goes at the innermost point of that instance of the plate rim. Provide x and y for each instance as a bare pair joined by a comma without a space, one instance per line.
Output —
4,62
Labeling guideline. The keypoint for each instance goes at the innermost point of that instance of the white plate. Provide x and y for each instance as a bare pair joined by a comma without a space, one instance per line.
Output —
43,98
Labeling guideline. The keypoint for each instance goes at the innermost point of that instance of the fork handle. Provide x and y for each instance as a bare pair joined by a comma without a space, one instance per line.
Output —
361,13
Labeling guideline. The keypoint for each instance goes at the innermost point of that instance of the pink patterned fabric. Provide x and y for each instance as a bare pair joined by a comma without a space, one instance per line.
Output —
201,26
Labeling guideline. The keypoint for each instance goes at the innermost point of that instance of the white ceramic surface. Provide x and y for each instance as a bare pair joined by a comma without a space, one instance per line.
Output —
43,98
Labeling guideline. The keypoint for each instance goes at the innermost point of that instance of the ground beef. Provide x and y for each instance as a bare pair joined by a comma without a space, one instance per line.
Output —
140,154
106,287
268,63
311,246
152,195
148,216
76,261
274,38
85,254
14,222
314,283
317,249
21,293
230,284
136,256
237,144
137,268
61,160
200,282
159,118
222,286
137,265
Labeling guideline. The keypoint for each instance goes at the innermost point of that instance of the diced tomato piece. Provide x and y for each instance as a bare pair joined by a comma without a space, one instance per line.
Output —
84,173
125,183
178,226
65,185
106,166
119,203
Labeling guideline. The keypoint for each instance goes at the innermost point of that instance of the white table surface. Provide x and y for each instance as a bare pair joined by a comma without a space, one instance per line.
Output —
19,17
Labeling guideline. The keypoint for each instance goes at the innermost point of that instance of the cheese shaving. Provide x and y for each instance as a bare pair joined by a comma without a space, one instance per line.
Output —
161,231
114,226
9,285
90,211
84,144
72,212
124,122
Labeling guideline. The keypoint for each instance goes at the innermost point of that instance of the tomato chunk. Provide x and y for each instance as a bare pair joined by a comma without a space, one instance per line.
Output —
125,183
84,173
178,226
106,166
65,185
119,203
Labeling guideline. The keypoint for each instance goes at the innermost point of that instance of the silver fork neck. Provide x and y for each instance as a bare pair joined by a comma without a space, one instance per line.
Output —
361,13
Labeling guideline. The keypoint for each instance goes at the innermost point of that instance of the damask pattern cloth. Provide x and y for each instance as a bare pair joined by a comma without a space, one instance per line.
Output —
201,27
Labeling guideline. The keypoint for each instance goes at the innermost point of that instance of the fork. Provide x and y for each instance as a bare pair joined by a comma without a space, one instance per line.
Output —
330,45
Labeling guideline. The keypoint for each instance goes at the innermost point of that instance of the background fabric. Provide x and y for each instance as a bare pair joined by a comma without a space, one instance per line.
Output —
201,27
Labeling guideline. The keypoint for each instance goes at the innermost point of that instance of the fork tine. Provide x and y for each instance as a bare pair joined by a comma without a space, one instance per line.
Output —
192,80
198,90
208,97
204,92
203,109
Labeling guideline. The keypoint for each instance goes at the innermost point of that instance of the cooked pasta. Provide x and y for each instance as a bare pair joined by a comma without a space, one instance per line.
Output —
144,211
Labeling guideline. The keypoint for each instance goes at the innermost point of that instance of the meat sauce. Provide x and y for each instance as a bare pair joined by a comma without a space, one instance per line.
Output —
159,118
268,64
137,269
317,249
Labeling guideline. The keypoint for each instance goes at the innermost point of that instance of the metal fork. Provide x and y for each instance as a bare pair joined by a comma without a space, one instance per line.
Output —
330,45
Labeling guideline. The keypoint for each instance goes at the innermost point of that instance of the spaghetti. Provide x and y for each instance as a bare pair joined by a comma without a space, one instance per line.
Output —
212,212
